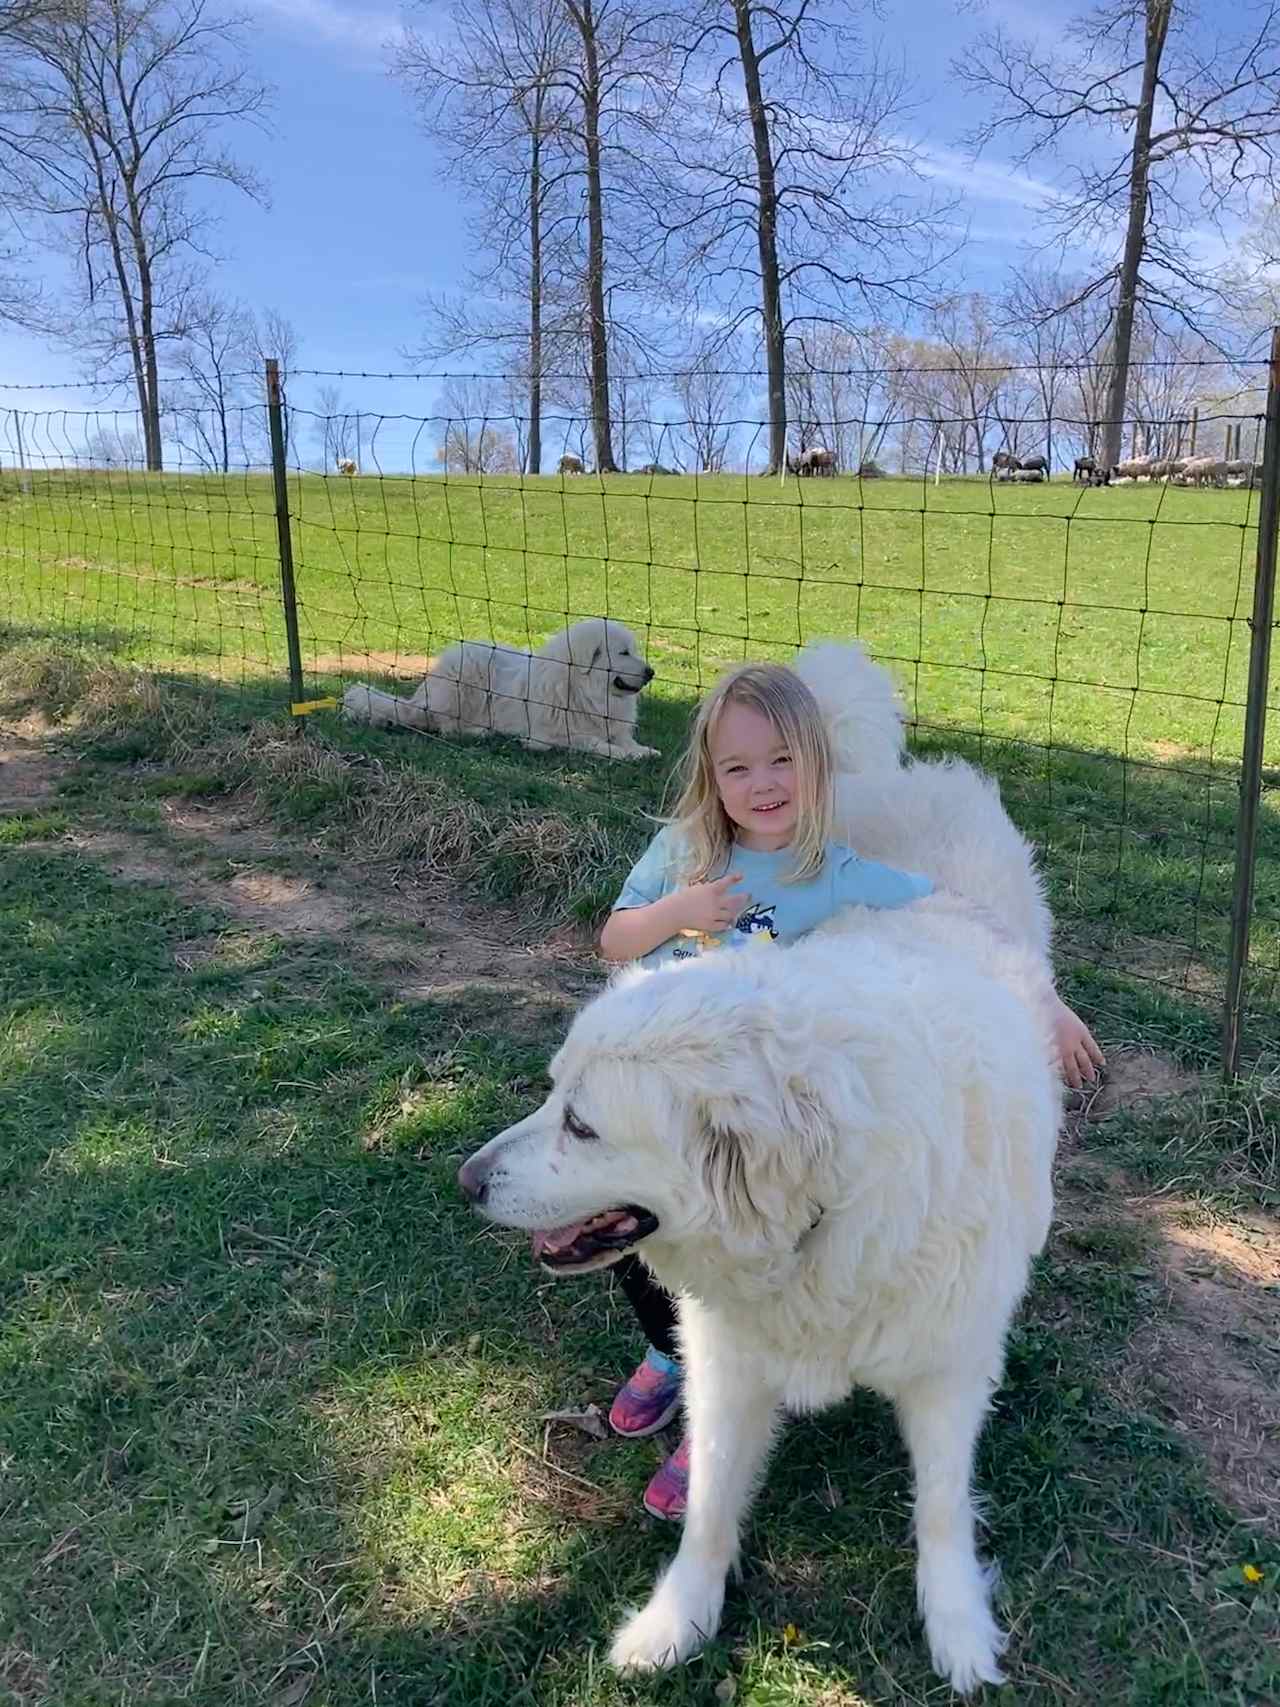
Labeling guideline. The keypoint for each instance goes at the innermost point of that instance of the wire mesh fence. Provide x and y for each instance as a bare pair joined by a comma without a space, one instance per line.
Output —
1086,634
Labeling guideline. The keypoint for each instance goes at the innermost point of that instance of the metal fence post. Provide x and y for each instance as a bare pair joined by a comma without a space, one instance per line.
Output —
284,535
1255,720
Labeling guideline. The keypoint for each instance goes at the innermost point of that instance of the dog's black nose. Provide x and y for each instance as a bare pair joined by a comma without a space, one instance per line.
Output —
473,1181
648,672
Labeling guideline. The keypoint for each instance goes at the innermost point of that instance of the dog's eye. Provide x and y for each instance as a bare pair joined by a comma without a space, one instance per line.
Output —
577,1128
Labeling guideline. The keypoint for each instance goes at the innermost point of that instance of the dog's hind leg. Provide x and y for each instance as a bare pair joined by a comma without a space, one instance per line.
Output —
731,1410
941,1418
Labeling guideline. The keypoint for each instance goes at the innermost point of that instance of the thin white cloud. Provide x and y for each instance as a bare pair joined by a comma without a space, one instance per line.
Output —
364,30
983,180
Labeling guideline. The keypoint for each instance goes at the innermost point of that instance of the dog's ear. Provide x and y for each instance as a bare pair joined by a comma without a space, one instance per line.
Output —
760,1151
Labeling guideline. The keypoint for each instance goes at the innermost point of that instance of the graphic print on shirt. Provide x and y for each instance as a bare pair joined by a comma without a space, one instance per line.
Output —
759,922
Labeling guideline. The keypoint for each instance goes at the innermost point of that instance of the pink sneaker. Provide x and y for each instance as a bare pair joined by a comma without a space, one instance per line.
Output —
649,1399
667,1495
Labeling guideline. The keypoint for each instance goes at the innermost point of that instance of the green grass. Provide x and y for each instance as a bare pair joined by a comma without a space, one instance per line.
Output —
269,1396
1089,646
1112,620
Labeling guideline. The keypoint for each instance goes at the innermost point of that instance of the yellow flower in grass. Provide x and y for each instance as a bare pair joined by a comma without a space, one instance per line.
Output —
1251,1573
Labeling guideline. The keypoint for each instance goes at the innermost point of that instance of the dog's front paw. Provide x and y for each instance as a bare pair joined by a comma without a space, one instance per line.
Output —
669,1629
965,1648
638,752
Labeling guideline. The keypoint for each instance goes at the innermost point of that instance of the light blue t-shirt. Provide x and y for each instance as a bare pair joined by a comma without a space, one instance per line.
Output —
778,911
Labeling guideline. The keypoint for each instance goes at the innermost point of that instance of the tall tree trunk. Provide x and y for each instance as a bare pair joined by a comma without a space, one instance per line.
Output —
111,220
222,421
146,332
1135,242
534,458
767,239
598,329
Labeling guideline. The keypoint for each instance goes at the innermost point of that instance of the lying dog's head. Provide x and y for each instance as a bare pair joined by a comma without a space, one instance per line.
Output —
600,644
680,1111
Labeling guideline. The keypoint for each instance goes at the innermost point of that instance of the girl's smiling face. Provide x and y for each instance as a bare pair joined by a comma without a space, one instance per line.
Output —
755,777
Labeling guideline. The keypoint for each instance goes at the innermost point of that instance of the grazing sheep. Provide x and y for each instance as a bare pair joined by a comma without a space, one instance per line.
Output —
1205,471
347,465
571,465
654,468
1035,465
1003,475
1137,468
1029,476
1004,459
1084,470
816,460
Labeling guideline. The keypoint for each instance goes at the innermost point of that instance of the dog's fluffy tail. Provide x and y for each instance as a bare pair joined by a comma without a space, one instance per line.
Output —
859,702
363,704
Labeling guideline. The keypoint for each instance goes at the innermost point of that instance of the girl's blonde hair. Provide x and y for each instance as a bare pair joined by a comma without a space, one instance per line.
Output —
778,694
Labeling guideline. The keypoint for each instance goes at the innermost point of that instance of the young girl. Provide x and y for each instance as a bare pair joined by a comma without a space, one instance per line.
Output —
746,862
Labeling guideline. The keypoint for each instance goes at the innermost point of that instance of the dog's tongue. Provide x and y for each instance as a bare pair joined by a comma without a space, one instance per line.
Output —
556,1238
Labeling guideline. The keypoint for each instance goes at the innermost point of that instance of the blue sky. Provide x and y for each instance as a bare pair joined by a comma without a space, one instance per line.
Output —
362,221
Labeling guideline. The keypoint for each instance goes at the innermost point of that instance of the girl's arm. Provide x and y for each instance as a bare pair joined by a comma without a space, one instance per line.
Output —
1081,1056
632,932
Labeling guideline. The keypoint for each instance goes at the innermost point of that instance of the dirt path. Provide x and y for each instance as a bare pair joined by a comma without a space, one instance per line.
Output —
29,770
419,941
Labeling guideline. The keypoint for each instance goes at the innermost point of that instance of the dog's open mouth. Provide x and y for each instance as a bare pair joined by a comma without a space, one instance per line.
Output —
593,1243
621,685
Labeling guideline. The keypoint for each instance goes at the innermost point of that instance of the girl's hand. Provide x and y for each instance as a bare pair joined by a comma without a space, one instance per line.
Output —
712,907
1081,1056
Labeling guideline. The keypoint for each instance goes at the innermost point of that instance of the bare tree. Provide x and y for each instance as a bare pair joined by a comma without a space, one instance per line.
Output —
114,447
1199,113
618,94
478,432
790,130
219,364
335,426
708,393
113,109
837,394
490,93
212,362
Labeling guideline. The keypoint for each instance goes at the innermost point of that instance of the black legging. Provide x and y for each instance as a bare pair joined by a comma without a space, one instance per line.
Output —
655,1309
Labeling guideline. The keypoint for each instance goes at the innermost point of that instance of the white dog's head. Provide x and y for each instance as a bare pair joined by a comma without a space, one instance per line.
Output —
600,644
681,1112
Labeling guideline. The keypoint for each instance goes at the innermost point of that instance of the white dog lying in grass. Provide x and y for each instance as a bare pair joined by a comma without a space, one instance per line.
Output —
838,1155
579,690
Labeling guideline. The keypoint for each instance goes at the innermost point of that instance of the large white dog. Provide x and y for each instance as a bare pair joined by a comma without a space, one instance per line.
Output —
580,690
838,1155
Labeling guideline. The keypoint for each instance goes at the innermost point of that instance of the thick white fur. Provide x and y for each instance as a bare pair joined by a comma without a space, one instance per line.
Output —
891,1078
563,695
939,816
